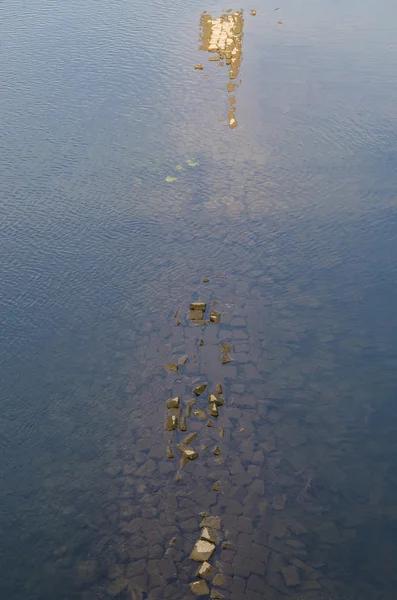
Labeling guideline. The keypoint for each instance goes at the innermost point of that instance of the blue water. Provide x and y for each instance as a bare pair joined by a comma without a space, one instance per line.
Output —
297,206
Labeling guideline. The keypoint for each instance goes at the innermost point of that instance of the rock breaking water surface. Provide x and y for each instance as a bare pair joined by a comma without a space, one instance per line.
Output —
127,178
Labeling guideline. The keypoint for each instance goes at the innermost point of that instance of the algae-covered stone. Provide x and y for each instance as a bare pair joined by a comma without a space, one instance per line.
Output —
205,280
216,451
219,388
213,522
198,306
205,570
216,399
215,316
202,551
183,360
173,402
214,412
199,588
199,389
195,315
171,367
226,358
170,453
189,438
211,535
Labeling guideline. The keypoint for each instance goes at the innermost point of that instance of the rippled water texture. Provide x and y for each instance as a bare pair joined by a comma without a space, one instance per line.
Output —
126,177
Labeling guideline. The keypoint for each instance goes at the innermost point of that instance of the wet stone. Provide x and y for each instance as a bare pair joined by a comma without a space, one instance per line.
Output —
190,438
199,413
190,525
205,570
171,423
216,399
216,451
212,522
217,486
199,588
209,423
202,551
211,535
198,306
218,388
195,315
200,389
291,576
173,402
216,594
115,571
183,360
215,316
226,347
221,580
256,584
115,588
171,367
214,412
244,524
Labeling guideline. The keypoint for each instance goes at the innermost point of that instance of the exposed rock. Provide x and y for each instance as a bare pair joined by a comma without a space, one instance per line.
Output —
171,367
291,576
211,535
170,453
221,580
202,550
209,423
216,594
172,542
221,432
199,389
225,359
214,412
217,399
226,545
216,451
195,315
205,280
178,322
212,522
182,424
253,12
217,486
200,588
190,438
183,360
171,423
200,413
215,316
198,306
173,402
219,388
201,342
187,451
205,570
199,67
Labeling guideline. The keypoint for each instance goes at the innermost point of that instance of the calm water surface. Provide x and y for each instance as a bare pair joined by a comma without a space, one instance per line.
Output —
296,208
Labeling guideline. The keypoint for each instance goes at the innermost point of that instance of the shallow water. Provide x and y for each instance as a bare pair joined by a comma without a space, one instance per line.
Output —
295,208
